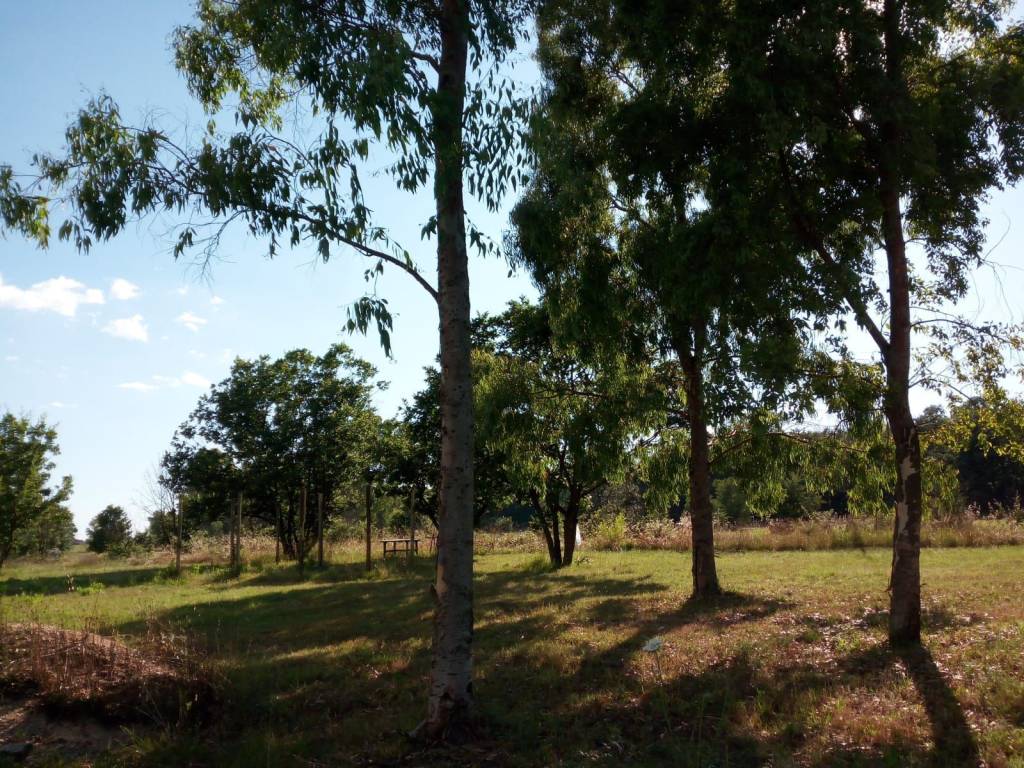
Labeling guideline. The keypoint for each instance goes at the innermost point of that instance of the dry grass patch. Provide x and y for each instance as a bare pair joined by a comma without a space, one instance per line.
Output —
159,680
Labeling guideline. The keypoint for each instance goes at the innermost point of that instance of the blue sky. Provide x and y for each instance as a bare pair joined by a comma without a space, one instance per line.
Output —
115,346
118,367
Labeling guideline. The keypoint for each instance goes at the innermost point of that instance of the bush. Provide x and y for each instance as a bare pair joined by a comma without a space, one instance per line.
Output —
611,533
110,532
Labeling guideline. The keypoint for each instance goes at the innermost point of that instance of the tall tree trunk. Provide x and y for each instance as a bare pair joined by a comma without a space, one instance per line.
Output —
705,574
541,513
905,580
450,700
369,526
571,517
280,532
556,532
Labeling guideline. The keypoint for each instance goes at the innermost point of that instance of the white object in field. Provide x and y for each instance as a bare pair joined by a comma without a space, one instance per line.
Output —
579,536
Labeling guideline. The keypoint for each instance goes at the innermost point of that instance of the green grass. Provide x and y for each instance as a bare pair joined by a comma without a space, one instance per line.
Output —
789,668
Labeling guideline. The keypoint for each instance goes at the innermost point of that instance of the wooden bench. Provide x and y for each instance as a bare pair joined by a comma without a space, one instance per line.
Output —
397,546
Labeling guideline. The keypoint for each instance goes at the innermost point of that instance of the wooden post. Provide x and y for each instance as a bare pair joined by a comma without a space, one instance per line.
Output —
238,536
277,544
369,525
177,542
412,522
320,529
301,537
231,537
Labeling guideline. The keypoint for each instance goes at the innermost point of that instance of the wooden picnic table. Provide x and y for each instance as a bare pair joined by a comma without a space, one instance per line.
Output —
394,546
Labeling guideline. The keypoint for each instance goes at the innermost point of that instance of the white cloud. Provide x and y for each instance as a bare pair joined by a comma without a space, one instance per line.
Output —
138,386
58,294
132,328
12,358
188,379
123,290
216,301
194,380
191,321
59,404
182,290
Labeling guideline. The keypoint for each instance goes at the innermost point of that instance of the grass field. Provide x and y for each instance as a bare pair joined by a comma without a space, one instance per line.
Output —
789,668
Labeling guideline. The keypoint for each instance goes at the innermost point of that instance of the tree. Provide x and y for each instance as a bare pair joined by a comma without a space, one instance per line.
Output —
52,530
110,532
566,426
271,426
418,78
981,443
415,466
27,500
631,235
881,127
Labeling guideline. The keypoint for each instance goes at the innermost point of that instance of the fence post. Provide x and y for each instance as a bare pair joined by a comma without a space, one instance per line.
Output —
280,533
369,524
238,535
320,529
302,533
177,542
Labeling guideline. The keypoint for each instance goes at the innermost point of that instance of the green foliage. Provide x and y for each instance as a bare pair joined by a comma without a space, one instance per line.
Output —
270,427
976,454
33,515
110,532
414,463
730,501
53,530
565,426
364,73
610,533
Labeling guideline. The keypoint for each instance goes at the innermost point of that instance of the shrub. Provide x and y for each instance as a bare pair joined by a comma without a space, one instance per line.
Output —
611,533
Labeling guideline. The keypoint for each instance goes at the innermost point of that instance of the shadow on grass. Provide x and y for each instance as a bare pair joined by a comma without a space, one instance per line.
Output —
55,585
338,668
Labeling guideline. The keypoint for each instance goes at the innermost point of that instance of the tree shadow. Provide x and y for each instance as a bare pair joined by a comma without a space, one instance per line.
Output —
343,661
73,581
954,740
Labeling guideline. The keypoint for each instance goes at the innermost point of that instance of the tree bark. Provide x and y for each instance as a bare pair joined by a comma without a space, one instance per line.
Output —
705,574
538,508
905,580
450,700
556,533
571,518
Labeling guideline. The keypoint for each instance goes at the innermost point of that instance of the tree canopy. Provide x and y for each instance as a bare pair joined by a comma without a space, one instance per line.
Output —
33,514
